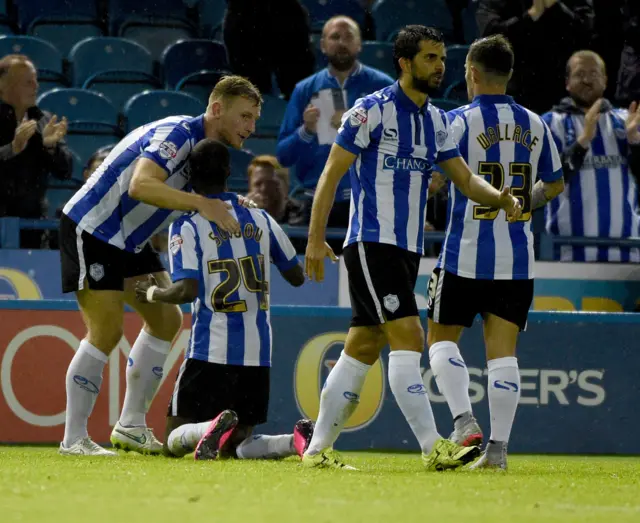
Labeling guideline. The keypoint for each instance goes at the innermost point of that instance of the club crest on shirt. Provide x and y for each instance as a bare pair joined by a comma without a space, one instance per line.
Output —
391,302
358,117
167,150
621,134
96,271
175,243
441,136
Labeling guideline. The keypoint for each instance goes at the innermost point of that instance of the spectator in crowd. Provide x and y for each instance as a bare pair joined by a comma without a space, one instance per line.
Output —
268,37
31,146
316,107
629,74
96,159
269,189
600,148
544,33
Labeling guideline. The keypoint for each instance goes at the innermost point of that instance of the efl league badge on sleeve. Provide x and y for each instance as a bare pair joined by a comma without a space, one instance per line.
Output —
175,243
358,117
168,150
441,136
96,271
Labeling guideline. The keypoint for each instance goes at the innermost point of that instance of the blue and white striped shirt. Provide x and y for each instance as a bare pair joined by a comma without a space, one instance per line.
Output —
601,200
103,207
230,321
398,144
511,146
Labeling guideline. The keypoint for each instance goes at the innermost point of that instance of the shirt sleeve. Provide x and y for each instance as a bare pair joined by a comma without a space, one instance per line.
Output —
449,147
183,258
283,253
550,164
169,147
357,125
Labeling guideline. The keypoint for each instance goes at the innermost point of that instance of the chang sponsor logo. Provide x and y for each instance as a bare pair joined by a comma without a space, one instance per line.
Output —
405,164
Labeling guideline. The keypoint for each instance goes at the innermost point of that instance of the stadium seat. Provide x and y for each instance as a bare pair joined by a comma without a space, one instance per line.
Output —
321,10
271,116
238,181
456,57
93,120
378,55
200,84
154,105
7,27
391,15
45,56
457,91
58,22
257,145
56,198
190,56
445,105
211,18
155,25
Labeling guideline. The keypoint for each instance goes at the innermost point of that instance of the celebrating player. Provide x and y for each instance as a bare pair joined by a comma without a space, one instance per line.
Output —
486,263
389,143
222,389
104,232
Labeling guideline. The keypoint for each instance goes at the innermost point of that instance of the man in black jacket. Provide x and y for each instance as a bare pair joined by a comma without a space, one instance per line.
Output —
629,74
544,33
31,146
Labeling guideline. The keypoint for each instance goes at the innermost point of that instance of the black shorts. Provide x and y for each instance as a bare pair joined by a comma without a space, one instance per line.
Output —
382,281
454,300
203,390
103,266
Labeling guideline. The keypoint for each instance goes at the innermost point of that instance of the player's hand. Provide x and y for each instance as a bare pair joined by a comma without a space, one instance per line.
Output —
510,204
632,124
54,131
142,286
550,3
310,118
590,124
247,202
314,259
436,184
336,119
217,211
537,9
23,134
428,226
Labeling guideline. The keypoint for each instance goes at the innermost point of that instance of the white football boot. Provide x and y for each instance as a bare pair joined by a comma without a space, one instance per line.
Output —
135,439
85,447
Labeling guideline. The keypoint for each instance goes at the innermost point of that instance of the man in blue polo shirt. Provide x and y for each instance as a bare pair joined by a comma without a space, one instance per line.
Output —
316,107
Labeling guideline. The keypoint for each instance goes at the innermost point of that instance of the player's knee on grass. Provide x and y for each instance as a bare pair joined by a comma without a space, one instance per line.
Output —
405,334
365,343
173,422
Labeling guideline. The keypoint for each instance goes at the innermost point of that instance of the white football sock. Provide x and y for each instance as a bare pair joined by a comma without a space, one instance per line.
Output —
84,377
338,400
266,447
452,376
411,395
504,394
185,438
144,372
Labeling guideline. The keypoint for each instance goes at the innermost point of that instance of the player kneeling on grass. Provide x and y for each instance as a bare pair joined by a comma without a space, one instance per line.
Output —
222,389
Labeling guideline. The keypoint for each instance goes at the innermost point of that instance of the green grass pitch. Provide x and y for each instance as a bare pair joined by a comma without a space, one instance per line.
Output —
38,485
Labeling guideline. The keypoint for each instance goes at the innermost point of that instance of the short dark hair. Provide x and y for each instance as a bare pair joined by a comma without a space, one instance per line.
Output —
407,42
209,166
100,154
493,54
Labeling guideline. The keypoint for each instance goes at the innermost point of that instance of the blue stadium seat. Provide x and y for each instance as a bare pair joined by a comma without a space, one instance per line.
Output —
93,120
456,58
321,10
445,105
271,116
378,55
259,145
190,56
156,25
56,198
6,28
391,15
211,18
200,84
154,105
45,56
59,22
238,181
457,91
